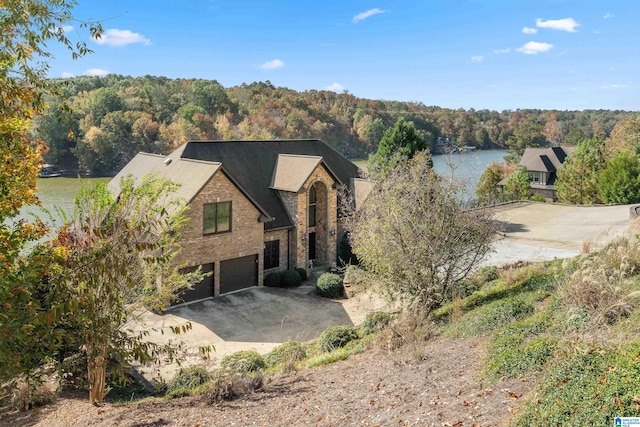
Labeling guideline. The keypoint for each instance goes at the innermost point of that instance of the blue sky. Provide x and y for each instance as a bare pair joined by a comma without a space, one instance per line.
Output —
495,54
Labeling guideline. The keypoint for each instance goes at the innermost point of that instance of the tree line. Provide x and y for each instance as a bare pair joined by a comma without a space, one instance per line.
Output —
111,118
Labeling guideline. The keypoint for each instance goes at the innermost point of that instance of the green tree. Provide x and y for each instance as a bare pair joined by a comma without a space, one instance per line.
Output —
27,27
398,144
577,180
414,238
518,185
528,133
487,189
619,181
625,136
120,254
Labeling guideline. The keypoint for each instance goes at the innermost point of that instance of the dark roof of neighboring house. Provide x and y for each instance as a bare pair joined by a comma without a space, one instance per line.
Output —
545,159
251,164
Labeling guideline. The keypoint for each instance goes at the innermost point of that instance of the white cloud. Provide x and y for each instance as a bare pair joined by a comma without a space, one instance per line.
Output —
67,28
66,75
118,38
96,72
533,48
608,15
272,65
613,86
477,58
566,24
364,15
529,30
335,87
502,51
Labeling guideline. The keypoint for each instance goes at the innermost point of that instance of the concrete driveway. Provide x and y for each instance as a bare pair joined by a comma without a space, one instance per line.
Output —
258,318
261,318
542,231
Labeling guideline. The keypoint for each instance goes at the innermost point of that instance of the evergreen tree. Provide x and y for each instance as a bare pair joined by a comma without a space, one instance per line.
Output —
577,180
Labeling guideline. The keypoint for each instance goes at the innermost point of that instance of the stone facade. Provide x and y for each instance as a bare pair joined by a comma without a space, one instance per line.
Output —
326,219
245,237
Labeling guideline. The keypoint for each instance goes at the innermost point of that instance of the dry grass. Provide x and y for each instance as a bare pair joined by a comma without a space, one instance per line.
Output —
409,332
28,395
601,283
230,386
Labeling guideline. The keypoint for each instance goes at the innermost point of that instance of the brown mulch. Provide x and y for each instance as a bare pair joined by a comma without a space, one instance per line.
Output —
443,388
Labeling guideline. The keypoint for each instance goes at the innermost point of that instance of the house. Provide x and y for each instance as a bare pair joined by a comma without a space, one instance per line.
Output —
542,165
255,206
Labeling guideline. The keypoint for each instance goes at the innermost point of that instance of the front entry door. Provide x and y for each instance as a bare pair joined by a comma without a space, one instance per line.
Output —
312,246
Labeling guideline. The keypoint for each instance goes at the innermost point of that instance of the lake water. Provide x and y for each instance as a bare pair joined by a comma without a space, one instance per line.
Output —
466,167
59,192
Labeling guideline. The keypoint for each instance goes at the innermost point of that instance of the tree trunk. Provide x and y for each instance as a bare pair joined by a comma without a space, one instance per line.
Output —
97,368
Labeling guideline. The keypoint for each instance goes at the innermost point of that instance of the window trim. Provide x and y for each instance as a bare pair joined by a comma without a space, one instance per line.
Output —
217,219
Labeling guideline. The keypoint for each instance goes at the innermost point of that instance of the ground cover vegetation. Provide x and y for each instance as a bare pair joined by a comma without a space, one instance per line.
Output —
570,323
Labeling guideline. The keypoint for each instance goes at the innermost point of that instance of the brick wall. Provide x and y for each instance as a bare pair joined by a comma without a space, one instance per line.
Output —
245,237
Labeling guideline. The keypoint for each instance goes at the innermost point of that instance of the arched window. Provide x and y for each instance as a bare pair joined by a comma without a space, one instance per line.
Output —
312,206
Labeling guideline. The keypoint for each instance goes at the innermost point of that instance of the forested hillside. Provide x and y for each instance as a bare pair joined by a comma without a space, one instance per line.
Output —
114,117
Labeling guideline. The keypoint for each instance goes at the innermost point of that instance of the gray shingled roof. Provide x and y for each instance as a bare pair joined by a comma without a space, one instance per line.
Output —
545,159
252,164
192,175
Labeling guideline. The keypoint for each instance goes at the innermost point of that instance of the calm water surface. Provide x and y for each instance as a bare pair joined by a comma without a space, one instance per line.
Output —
466,167
58,193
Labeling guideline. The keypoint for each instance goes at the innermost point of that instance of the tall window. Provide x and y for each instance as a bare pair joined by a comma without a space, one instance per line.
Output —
312,206
271,254
216,218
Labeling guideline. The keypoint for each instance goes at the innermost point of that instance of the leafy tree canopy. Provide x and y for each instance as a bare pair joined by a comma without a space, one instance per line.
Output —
398,144
414,238
619,182
577,179
518,185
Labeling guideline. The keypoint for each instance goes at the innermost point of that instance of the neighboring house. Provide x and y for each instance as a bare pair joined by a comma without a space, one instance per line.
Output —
255,206
542,165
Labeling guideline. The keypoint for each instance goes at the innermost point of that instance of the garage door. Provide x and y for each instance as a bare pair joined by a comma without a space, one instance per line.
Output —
201,290
238,273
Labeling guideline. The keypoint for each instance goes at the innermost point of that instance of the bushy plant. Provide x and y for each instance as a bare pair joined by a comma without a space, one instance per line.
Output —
409,333
243,361
303,273
537,197
290,279
461,289
227,385
288,351
188,378
336,337
330,285
489,273
272,280
375,322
